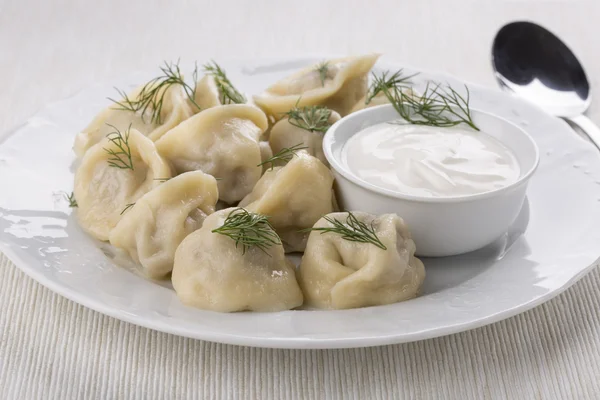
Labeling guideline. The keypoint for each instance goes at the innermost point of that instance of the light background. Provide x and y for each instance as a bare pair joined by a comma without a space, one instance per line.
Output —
52,348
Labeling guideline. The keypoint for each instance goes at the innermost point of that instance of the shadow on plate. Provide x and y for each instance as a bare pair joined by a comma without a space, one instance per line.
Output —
446,272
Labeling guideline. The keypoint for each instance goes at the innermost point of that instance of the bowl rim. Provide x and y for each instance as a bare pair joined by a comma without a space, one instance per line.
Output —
338,167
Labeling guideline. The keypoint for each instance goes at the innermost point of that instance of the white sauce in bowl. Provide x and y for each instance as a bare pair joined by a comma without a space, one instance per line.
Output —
430,161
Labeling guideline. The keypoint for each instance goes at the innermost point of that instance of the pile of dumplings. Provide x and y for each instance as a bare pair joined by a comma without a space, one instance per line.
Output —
161,182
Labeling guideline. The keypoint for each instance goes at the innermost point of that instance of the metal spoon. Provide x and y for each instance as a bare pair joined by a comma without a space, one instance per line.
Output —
536,65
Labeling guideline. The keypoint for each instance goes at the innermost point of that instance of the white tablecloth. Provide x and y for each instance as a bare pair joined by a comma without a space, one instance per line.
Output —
52,348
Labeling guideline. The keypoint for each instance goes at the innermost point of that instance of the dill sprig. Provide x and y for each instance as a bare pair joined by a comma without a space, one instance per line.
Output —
121,158
127,207
285,155
322,68
397,79
310,118
437,106
352,230
229,94
71,199
248,230
152,95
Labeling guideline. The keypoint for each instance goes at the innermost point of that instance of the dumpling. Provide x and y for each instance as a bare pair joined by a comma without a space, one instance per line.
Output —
337,273
214,272
215,89
151,230
176,107
337,84
294,197
265,154
207,93
114,174
221,141
305,127
379,99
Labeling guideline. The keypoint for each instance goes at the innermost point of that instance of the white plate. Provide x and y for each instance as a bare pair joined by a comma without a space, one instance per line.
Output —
561,240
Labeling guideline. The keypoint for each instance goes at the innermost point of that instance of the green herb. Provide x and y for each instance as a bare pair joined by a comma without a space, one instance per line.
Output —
122,157
437,106
284,155
127,207
310,118
248,230
71,199
229,94
397,79
322,69
152,95
352,230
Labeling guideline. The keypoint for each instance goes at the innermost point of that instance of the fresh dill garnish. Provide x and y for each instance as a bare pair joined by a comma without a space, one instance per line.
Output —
152,95
248,230
285,155
397,79
437,106
322,68
71,199
122,157
311,118
229,94
352,230
127,207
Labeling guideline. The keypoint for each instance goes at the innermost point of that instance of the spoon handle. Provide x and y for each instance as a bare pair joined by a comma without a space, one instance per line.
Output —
589,127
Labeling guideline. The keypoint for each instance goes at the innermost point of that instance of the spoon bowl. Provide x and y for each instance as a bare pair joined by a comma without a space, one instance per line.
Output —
535,64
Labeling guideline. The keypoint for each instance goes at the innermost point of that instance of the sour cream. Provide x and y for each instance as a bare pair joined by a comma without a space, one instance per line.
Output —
430,161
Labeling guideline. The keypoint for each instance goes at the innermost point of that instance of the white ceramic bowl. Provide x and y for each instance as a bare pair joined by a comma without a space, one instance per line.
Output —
440,226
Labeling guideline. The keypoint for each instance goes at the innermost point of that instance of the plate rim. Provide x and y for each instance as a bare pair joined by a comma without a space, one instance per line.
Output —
288,343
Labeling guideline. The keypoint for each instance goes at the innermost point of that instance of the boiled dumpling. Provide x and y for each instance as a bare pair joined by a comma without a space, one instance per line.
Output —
379,99
151,230
265,154
215,89
223,142
337,84
304,127
337,273
294,197
207,93
113,174
386,82
214,272
175,108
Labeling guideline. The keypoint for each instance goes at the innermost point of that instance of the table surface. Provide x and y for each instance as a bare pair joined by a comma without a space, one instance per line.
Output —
52,348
